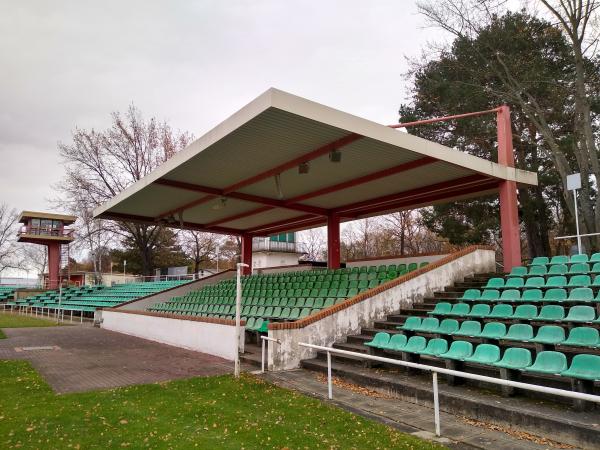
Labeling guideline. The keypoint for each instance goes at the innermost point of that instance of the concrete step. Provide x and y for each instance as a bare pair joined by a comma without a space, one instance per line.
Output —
352,347
531,414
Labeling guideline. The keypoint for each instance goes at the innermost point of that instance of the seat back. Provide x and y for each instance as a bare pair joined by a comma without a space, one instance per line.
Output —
556,281
436,346
532,295
556,294
519,332
486,353
552,312
469,328
397,341
517,357
581,313
490,295
495,330
550,334
495,283
535,282
525,312
502,310
581,294
511,295
550,361
581,258
448,326
558,269
583,336
429,324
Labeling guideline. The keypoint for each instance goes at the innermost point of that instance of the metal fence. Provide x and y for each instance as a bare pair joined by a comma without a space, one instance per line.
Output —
435,370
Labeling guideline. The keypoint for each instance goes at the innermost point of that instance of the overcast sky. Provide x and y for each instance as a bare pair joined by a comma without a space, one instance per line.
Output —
192,63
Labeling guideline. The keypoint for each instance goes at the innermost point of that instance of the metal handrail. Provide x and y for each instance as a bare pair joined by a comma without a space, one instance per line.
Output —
262,355
456,373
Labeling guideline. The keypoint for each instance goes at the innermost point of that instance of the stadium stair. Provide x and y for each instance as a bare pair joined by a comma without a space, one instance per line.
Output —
552,340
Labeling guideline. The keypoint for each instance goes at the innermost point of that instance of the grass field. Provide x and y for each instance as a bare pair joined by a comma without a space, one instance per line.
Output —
9,320
216,412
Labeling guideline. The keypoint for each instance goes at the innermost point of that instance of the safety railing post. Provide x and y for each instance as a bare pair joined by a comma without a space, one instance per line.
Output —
262,357
329,380
436,404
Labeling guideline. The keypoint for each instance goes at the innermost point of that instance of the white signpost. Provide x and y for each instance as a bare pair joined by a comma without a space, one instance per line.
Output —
574,183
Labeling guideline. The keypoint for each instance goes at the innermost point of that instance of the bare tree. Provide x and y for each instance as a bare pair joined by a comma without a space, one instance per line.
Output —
578,87
199,246
35,257
100,164
9,254
314,244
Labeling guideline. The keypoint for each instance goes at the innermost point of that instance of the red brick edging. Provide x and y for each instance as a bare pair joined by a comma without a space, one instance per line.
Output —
371,292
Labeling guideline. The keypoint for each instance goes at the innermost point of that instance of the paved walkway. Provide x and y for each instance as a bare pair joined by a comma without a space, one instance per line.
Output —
404,416
83,358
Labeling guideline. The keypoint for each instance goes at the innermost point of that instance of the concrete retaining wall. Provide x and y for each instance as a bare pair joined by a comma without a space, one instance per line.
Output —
350,320
216,339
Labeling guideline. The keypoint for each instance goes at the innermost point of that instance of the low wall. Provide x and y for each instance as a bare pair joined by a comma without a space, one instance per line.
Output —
211,336
336,322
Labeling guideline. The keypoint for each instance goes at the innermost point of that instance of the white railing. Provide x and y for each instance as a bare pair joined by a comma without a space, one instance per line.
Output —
435,370
264,339
275,246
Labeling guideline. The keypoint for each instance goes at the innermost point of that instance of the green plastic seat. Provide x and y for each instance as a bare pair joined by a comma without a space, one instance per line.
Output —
526,312
458,350
535,282
501,311
429,325
495,283
595,258
532,295
549,334
584,367
412,266
380,340
581,313
396,342
548,362
435,347
490,295
514,283
558,269
470,294
552,312
493,330
581,295
596,282
469,328
578,259
415,344
537,271
582,337
442,309
459,309
555,295
412,323
558,281
448,326
579,268
519,332
515,358
579,281
518,271
484,354
540,260
511,295
559,259
479,310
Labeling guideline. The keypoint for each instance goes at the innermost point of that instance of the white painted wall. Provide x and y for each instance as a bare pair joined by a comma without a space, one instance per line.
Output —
211,338
261,260
336,327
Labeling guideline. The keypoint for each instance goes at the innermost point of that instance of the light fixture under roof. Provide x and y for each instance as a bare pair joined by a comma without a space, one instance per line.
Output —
303,168
335,156
278,186
220,204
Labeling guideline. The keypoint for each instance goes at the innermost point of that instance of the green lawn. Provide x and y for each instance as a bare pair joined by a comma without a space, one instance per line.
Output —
209,413
10,320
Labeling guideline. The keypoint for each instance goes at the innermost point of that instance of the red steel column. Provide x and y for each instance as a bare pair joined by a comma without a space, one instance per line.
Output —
333,241
53,264
247,253
509,210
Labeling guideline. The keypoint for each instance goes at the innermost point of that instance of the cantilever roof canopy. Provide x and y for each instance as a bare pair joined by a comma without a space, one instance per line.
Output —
243,176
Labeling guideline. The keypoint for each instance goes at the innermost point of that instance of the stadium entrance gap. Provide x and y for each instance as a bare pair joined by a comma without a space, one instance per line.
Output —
285,163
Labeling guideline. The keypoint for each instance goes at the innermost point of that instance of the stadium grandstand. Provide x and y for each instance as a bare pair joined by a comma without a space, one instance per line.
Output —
84,300
300,165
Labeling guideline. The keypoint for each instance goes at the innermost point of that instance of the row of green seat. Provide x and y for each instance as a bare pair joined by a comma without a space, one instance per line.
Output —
578,313
559,281
580,295
557,269
311,302
583,366
564,259
546,334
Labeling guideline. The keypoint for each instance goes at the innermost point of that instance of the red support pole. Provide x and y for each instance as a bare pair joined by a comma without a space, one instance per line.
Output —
333,241
509,210
247,253
53,265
